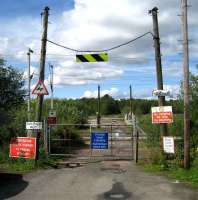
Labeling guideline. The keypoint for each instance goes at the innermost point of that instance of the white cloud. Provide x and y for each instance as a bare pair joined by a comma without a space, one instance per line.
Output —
33,71
113,92
174,90
143,93
100,25
70,73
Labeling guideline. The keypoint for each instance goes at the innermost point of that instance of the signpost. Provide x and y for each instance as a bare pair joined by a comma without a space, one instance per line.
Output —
162,115
23,147
99,140
34,125
40,89
168,144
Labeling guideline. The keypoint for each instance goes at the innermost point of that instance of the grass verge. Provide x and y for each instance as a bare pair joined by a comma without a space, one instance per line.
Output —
189,177
21,165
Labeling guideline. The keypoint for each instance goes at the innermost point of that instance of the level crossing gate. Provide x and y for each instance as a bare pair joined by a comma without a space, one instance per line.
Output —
89,141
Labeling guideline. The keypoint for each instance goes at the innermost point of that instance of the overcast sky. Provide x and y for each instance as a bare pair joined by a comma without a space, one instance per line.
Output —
97,25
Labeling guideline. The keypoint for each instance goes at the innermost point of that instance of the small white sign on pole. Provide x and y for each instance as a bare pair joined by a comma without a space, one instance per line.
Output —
161,93
52,113
168,144
34,125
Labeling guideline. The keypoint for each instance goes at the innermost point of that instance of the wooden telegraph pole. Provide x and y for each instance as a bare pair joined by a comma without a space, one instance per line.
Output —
131,101
52,86
156,38
184,8
42,71
98,113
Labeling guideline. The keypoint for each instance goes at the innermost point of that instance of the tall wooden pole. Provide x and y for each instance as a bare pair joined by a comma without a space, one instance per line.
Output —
156,38
98,113
184,8
52,86
42,71
131,101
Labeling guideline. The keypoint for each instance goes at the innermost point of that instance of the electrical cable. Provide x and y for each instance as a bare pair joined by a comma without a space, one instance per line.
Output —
104,50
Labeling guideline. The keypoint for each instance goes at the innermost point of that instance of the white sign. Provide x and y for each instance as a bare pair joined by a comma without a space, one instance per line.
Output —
168,144
161,109
34,125
40,89
52,113
161,93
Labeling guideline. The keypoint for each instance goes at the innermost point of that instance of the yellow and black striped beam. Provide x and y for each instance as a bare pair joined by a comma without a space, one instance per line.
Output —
99,57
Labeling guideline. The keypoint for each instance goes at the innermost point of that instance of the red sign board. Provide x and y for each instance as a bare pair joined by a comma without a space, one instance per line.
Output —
23,147
51,120
162,115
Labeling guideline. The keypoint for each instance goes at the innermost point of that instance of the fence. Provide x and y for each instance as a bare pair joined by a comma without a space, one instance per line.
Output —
80,141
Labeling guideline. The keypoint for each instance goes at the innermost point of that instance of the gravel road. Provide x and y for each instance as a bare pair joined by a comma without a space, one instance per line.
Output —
97,181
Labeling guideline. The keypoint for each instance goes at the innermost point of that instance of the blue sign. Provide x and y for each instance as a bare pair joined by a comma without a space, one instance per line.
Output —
99,140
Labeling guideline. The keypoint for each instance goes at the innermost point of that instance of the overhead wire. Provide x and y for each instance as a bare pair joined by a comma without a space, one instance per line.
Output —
101,50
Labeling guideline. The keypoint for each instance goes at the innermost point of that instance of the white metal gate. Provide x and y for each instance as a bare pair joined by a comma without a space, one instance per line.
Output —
74,140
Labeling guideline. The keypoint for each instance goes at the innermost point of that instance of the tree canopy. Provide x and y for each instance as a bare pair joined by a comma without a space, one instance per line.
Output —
11,87
11,97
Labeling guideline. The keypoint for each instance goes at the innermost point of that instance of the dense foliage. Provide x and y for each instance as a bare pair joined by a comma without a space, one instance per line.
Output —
11,97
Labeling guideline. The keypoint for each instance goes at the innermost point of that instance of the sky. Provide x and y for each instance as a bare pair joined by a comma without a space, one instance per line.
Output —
98,25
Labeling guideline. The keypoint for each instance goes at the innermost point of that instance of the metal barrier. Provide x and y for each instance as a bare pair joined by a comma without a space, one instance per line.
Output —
76,140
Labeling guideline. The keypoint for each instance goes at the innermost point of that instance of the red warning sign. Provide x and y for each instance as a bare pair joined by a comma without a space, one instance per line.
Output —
23,147
162,115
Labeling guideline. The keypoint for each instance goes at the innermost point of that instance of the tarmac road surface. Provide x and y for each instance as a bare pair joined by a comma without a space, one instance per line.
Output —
120,180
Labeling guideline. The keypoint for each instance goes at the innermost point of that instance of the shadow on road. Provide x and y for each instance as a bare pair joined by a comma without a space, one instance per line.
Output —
11,185
117,192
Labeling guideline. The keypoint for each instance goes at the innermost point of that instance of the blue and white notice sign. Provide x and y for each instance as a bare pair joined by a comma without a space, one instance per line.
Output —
99,140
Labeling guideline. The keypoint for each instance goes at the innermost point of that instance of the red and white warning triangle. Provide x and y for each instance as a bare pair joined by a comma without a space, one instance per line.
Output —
40,89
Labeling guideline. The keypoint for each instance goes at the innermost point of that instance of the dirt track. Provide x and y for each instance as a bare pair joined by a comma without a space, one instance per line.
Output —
98,181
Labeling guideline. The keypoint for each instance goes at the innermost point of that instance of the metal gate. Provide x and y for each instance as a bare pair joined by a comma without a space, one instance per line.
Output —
75,140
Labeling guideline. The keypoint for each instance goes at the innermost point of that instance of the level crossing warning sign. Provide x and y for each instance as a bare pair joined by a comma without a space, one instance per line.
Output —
40,89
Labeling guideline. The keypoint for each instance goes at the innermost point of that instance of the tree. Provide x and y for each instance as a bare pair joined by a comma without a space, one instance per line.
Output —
193,93
11,87
109,105
11,97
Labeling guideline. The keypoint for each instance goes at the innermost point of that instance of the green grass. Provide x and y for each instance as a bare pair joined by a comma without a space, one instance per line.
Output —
189,177
17,166
21,165
171,168
175,129
186,176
